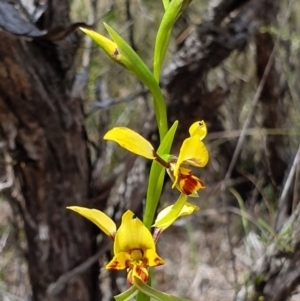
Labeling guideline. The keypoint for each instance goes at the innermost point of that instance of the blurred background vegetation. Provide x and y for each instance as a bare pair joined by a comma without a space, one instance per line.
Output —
215,69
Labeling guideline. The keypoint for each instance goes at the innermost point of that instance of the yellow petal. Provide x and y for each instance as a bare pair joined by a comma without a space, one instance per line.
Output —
132,234
100,219
180,185
120,261
151,258
131,141
192,151
198,128
187,209
169,215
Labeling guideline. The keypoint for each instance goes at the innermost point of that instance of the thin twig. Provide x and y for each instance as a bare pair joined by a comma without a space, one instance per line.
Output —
115,101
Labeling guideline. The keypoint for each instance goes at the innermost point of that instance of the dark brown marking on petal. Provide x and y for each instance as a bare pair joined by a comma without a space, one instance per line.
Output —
191,184
113,265
145,262
116,53
141,274
158,261
130,277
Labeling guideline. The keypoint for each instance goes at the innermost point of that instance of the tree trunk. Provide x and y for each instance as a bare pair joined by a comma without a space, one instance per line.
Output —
43,126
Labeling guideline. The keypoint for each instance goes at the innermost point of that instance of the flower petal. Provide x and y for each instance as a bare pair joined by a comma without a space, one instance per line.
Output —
120,261
151,259
187,182
100,219
187,209
132,234
192,151
169,215
131,141
198,128
139,272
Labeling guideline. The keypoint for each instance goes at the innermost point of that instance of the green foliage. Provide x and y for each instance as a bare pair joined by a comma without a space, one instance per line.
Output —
156,178
127,295
155,294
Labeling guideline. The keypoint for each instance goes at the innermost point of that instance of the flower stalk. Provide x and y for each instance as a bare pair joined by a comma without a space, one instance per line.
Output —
133,244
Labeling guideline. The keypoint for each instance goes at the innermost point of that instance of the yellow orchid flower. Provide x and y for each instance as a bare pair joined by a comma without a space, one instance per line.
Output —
134,245
192,152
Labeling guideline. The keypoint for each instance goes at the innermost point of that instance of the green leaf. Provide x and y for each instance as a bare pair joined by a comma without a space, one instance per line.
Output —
242,209
266,227
153,293
166,143
156,178
127,295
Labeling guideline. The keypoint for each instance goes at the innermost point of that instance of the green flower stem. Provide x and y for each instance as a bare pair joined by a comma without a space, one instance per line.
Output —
156,179
172,12
166,3
120,52
134,63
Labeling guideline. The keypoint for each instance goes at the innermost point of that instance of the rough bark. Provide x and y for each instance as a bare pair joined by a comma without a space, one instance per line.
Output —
43,126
